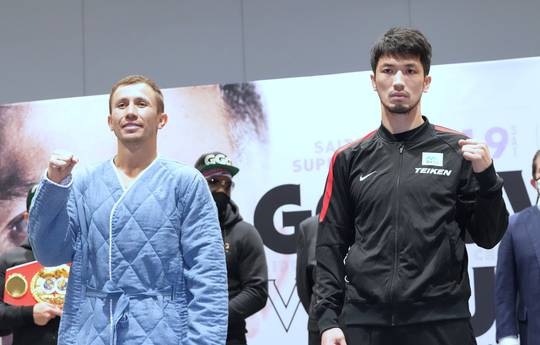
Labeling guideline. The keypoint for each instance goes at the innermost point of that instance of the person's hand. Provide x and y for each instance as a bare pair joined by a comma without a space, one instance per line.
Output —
44,312
333,336
477,153
60,165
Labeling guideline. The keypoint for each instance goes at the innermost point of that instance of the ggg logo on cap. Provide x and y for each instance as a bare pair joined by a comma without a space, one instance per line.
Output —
219,158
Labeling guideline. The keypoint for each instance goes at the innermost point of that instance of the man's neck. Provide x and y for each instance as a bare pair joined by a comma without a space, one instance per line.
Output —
399,123
134,158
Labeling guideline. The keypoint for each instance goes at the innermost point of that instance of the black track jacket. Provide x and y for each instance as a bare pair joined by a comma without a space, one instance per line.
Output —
390,247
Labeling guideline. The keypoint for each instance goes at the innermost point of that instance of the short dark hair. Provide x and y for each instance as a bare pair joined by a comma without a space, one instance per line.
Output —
138,79
536,155
399,41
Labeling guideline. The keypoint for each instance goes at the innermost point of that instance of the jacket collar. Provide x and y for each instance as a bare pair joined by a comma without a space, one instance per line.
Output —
413,135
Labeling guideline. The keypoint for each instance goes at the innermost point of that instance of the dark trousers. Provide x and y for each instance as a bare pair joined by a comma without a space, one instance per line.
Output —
447,332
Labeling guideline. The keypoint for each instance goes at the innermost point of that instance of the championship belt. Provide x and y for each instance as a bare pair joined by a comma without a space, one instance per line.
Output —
31,283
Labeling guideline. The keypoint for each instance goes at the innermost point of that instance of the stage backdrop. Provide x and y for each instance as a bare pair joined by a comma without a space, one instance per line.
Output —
281,134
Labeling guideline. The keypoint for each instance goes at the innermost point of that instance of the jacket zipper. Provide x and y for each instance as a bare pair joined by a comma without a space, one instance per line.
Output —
396,226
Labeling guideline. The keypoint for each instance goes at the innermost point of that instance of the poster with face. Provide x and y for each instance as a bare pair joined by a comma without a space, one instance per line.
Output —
282,134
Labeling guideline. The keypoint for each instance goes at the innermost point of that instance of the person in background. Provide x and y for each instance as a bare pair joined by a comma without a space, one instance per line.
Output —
305,273
517,277
29,325
247,272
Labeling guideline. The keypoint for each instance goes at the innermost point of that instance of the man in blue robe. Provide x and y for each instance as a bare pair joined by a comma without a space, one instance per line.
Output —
142,234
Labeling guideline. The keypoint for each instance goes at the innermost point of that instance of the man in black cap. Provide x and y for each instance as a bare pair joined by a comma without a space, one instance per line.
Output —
30,325
247,272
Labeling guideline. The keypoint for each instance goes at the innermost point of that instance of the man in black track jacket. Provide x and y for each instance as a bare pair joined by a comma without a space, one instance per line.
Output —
391,256
247,271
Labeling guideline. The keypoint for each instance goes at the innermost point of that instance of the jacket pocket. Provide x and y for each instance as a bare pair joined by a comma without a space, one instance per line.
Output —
348,263
366,276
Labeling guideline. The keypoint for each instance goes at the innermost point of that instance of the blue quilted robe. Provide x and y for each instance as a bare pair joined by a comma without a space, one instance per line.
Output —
148,265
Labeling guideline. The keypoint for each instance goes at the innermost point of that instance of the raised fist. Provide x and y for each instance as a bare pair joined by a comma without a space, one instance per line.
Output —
477,153
60,165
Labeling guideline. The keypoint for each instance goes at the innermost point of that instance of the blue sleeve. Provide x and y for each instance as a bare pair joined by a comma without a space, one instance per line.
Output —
53,225
205,268
506,288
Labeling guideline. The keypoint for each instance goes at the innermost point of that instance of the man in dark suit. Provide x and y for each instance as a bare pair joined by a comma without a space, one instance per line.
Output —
305,273
517,290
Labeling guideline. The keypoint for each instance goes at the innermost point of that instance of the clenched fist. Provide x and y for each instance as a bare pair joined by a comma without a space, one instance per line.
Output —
60,165
477,153
45,312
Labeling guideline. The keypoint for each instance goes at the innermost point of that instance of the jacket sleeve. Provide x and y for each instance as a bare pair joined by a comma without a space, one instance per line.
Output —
53,225
11,316
302,277
335,235
253,277
506,288
204,263
480,208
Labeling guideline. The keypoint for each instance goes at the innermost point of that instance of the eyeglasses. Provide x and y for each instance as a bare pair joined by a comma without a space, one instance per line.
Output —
217,182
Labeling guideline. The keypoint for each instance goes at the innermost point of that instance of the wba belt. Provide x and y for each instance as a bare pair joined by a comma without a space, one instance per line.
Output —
31,283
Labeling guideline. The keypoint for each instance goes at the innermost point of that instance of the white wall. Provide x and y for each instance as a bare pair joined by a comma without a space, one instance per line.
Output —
63,48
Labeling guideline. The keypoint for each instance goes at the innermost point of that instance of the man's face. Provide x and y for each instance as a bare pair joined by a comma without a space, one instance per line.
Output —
400,82
22,163
220,183
134,117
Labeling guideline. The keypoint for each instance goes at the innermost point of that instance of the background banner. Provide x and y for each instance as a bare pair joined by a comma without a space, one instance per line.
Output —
282,134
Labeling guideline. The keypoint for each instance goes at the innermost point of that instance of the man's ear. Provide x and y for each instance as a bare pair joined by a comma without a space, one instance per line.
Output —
163,119
534,184
373,84
109,121
427,83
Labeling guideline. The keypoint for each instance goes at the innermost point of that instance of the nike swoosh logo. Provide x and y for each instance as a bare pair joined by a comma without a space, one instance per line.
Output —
362,178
